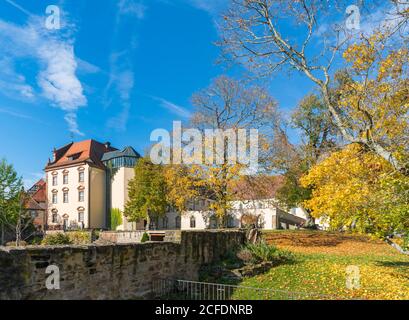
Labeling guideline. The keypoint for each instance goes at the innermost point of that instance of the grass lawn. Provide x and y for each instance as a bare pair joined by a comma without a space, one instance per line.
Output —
320,267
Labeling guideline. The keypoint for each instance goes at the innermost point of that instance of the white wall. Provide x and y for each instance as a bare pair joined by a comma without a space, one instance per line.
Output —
71,208
321,222
97,200
120,196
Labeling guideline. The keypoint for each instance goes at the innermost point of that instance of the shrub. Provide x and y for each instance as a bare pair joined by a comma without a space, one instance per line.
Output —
145,237
263,252
56,239
36,240
79,237
116,218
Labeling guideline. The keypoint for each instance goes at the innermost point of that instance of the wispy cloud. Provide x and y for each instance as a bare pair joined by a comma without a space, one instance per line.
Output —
17,6
121,75
124,83
213,7
13,84
20,115
54,53
173,108
132,7
15,114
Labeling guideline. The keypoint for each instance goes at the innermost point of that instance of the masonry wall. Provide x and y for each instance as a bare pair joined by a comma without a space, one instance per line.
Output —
110,271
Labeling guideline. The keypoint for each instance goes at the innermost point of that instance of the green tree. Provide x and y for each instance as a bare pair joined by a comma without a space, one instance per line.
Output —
11,186
318,137
147,193
116,218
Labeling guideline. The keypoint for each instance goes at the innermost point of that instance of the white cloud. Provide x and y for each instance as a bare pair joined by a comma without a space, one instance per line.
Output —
173,108
132,8
213,7
13,84
55,57
124,83
71,119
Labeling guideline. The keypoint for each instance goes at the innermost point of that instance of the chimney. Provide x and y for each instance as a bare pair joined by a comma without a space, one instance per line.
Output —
107,145
54,154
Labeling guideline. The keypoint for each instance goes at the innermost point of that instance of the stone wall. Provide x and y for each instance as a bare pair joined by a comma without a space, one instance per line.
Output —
121,271
122,236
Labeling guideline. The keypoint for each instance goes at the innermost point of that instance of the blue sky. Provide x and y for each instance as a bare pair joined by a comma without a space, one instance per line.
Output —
115,71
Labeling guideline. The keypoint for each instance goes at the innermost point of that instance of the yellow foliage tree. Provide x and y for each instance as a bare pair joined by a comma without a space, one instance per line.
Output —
359,190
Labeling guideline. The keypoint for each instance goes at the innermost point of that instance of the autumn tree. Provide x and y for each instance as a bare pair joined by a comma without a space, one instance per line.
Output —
183,183
357,190
318,137
229,105
269,36
147,193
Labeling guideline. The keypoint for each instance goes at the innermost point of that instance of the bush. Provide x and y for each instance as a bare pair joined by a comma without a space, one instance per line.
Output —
79,237
36,241
263,252
116,218
56,239
145,238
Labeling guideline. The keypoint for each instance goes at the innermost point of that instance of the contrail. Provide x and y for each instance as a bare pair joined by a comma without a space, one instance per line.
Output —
19,7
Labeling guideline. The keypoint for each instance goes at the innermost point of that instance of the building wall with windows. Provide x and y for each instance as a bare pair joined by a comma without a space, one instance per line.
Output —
264,213
72,200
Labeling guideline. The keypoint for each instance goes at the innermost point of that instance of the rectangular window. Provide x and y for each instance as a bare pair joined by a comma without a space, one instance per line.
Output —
81,176
55,218
81,195
81,216
65,179
54,180
65,196
54,198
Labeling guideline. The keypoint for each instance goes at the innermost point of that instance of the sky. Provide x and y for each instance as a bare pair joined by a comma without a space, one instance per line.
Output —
114,71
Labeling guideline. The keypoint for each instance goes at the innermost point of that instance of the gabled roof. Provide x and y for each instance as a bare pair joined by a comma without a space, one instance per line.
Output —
36,196
126,152
89,151
38,191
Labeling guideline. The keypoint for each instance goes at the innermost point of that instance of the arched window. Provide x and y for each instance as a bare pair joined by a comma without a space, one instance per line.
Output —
192,222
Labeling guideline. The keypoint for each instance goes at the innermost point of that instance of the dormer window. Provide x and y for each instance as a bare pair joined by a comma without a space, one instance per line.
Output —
74,156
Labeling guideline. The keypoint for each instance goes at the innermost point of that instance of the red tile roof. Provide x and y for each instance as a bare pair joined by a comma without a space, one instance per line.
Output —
90,151
260,187
40,195
37,196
